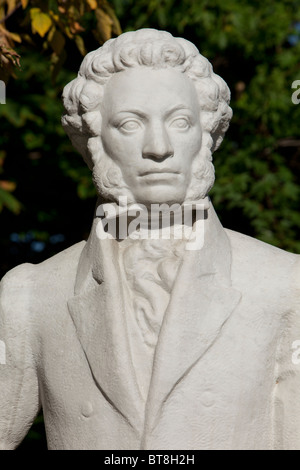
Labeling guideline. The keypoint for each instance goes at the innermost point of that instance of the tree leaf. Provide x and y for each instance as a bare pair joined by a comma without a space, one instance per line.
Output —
9,201
92,4
11,5
15,37
7,185
57,41
24,3
76,27
57,63
40,22
80,44
104,23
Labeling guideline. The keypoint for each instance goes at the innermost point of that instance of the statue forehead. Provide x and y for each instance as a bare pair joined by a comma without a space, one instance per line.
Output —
150,86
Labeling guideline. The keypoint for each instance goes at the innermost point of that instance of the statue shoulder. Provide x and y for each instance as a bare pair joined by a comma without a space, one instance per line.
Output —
259,252
296,280
28,283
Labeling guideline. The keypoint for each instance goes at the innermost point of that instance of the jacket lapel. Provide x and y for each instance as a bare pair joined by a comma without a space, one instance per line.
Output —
202,300
98,312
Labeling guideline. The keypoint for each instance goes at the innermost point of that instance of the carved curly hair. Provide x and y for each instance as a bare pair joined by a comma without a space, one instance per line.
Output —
150,48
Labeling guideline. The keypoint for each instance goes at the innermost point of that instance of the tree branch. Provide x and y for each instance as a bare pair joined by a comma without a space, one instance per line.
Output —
11,13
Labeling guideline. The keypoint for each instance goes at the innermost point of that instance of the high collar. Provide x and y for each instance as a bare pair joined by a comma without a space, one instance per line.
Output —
212,242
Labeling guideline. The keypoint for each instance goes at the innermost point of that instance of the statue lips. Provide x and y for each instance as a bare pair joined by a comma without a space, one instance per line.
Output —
159,175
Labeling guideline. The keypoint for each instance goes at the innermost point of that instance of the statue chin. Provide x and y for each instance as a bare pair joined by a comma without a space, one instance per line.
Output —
110,184
160,194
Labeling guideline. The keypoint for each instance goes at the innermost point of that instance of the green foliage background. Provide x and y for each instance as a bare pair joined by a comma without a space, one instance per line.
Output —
253,45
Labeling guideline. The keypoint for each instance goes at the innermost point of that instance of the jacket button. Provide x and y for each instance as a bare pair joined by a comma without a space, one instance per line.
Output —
207,398
87,409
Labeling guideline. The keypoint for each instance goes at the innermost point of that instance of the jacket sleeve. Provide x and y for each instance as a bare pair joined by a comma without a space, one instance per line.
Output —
286,403
19,394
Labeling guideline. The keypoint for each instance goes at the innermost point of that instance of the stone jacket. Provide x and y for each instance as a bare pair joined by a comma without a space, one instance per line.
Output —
225,372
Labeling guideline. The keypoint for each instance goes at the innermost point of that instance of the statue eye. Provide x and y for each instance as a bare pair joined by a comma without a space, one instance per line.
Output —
180,123
130,125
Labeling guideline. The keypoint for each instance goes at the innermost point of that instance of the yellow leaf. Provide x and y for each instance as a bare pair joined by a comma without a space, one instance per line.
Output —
51,33
15,37
68,32
40,22
11,5
24,3
54,16
104,23
8,185
116,27
80,44
92,4
27,38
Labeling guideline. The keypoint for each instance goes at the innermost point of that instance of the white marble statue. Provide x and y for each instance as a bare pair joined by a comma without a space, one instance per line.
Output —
140,342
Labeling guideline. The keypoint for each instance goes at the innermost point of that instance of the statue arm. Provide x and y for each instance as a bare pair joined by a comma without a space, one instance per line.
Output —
19,393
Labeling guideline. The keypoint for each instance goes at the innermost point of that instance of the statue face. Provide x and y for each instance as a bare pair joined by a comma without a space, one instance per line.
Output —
151,130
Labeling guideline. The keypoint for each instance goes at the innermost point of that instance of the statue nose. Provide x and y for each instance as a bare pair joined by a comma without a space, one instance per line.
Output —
157,144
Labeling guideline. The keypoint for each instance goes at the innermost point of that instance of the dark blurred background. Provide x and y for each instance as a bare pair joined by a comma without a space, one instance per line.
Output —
46,195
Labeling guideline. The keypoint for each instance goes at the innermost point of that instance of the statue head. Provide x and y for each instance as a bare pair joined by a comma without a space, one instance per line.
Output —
146,112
